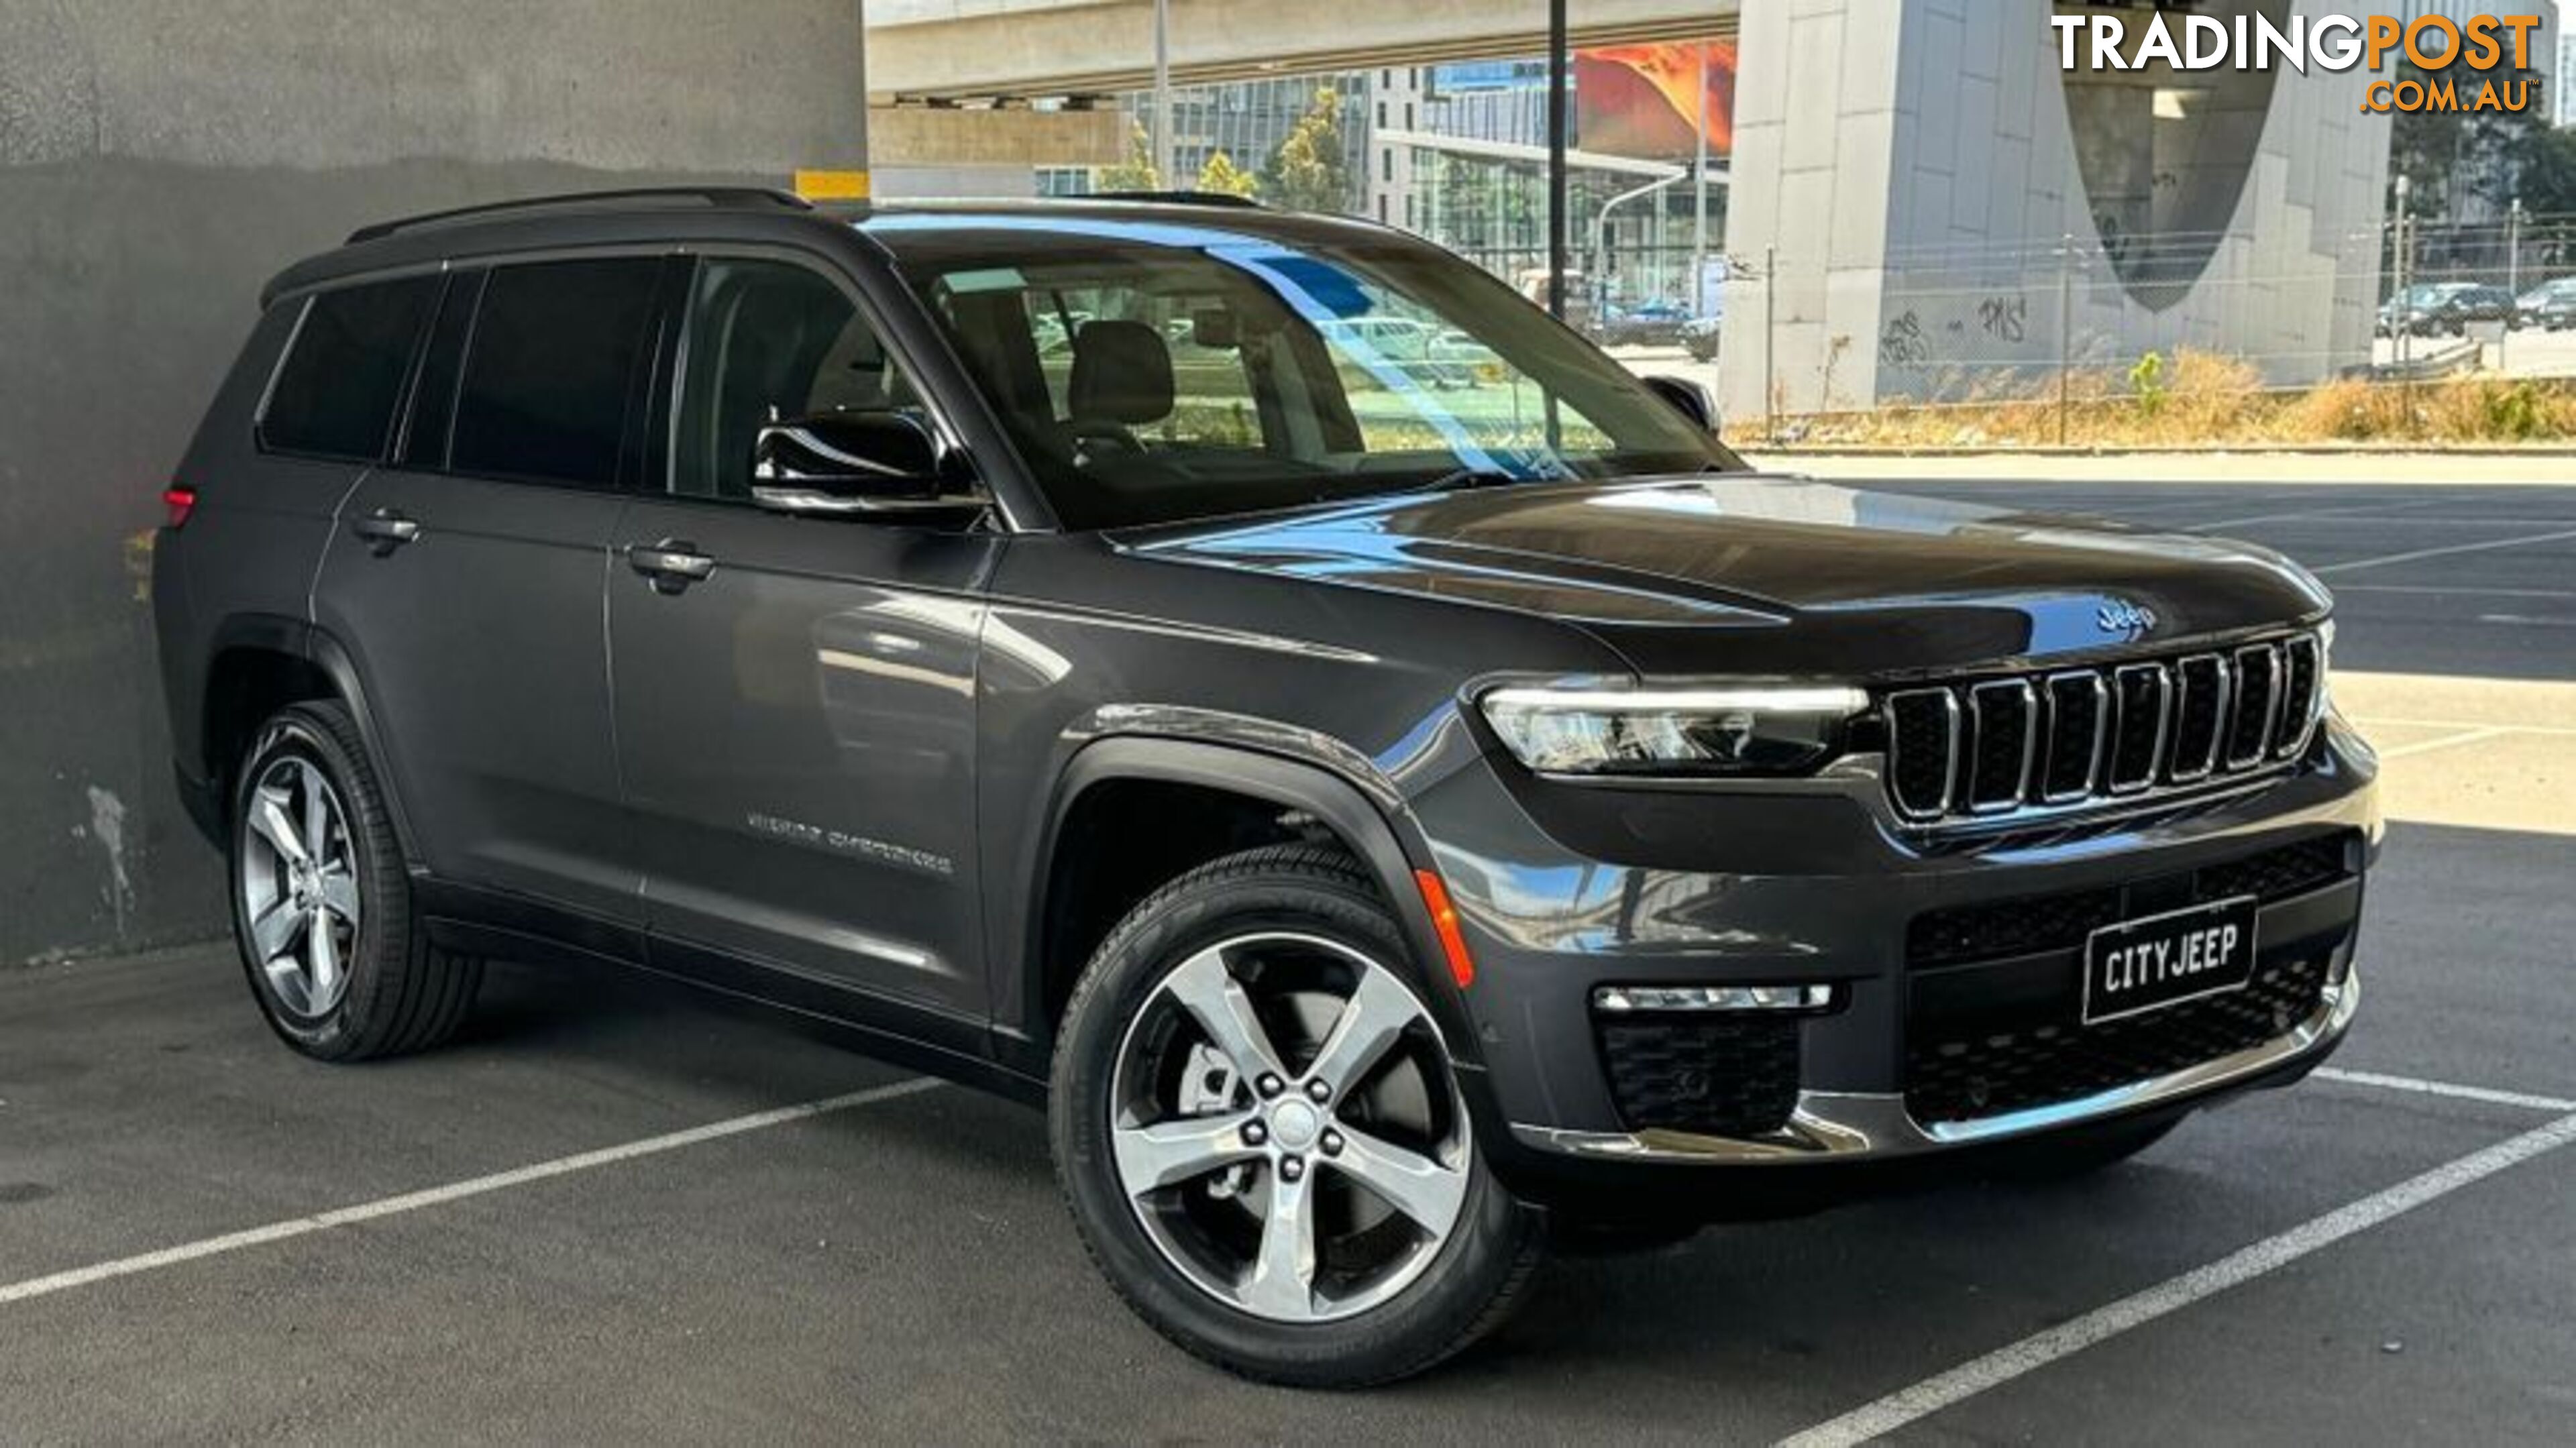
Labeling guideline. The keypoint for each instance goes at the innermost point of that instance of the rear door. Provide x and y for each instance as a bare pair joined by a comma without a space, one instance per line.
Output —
467,578
796,710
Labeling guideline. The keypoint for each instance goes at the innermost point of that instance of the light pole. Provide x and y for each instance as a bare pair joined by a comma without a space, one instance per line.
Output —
1699,197
1558,120
1163,93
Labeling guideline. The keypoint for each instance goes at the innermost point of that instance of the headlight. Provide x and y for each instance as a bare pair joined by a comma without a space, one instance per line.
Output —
1751,730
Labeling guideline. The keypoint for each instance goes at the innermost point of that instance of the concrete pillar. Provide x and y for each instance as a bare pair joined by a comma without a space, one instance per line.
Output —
1918,164
159,159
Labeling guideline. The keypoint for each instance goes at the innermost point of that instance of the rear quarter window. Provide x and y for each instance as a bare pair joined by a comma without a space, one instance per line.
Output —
342,378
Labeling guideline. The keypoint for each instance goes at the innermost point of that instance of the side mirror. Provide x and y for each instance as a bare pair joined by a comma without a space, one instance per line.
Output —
1689,399
840,464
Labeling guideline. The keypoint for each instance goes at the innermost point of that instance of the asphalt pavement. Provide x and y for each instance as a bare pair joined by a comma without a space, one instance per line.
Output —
615,1212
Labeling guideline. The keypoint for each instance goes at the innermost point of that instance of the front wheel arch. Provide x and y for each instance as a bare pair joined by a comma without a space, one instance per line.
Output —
1336,805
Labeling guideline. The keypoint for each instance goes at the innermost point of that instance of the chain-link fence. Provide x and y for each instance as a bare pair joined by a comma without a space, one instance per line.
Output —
2087,338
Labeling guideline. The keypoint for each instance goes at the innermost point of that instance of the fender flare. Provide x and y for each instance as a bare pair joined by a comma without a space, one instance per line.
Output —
336,662
1387,848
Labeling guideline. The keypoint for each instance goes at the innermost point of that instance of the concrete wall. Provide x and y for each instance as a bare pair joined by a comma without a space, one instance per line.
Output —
1920,164
159,159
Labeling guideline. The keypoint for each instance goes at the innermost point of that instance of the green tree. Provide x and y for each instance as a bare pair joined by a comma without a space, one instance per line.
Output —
1138,172
2453,157
1311,170
2544,166
1224,178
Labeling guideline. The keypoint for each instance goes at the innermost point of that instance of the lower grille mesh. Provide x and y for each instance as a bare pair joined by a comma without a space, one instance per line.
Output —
1717,1075
1965,1079
1998,929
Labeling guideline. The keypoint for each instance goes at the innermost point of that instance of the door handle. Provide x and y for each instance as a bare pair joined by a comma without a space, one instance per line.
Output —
670,565
385,530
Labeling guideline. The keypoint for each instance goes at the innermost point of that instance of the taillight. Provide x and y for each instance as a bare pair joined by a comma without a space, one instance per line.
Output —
181,500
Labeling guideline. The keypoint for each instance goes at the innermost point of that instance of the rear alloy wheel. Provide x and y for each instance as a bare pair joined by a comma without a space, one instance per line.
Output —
322,903
1261,1134
299,886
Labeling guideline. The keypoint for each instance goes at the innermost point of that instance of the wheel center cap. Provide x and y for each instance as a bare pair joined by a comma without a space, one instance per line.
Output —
1295,1124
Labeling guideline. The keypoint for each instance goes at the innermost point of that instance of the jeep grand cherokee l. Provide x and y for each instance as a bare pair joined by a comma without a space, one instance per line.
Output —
1387,826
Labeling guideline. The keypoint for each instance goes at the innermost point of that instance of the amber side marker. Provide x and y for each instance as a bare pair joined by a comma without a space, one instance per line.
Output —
1444,922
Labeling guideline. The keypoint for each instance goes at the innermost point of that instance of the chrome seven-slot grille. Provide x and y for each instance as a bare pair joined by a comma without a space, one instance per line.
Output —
1995,746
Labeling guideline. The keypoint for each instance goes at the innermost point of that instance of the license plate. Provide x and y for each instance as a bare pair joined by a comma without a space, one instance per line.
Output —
2163,960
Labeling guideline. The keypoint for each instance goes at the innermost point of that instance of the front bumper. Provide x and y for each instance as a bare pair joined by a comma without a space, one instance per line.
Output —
1562,889
1854,1124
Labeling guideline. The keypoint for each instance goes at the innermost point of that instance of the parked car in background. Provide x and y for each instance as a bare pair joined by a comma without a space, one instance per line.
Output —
1699,338
2481,302
1647,324
2426,310
2550,306
1371,348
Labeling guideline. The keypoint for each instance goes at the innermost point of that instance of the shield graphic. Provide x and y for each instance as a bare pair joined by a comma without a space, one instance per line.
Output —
2165,153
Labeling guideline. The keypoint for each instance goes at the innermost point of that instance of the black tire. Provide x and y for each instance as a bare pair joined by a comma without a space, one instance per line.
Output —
1470,1284
400,993
2095,1150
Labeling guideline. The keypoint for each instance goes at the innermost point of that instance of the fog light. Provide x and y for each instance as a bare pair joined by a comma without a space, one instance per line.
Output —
1712,997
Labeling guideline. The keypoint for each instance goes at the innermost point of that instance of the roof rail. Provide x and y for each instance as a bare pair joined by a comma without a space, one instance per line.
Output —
1177,198
711,195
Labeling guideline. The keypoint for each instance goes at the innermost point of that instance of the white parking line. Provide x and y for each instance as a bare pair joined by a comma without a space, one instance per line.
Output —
2421,554
2451,741
2001,1366
2464,591
2444,1088
454,1191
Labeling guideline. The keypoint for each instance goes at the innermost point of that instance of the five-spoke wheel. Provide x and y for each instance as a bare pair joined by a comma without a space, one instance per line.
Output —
322,899
1259,1128
1286,1127
299,885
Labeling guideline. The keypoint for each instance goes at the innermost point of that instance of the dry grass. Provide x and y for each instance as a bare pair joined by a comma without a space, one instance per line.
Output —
2197,399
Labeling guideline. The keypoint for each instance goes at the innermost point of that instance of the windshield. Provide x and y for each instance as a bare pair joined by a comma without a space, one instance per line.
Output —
1152,372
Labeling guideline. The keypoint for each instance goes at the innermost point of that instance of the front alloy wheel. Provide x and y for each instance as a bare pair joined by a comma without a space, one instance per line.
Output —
1287,1131
1259,1130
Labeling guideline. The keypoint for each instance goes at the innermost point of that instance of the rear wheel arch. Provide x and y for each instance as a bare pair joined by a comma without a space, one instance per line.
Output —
263,663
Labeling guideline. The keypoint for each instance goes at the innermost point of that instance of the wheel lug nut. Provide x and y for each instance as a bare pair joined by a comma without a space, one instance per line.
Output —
1332,1143
1254,1133
1270,1085
1318,1092
1291,1168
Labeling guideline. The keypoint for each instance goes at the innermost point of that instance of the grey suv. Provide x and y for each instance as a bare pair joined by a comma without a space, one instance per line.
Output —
1389,826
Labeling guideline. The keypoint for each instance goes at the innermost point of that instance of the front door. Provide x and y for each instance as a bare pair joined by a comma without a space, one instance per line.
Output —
795,696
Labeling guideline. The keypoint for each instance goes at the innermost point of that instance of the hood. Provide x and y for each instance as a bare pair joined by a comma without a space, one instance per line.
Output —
1756,574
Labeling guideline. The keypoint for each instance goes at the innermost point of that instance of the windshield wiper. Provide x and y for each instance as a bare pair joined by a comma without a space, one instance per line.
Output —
1465,479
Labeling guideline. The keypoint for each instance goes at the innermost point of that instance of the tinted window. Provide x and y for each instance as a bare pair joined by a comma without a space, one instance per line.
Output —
769,341
551,369
336,393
